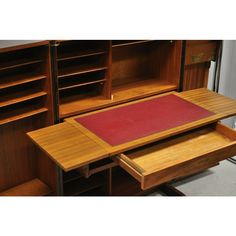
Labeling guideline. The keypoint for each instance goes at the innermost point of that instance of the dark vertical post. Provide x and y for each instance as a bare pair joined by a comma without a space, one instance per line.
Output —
181,82
53,50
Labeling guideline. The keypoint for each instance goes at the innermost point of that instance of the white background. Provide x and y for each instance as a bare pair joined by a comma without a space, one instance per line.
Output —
120,20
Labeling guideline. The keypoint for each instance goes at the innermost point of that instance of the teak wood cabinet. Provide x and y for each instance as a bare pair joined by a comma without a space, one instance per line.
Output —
94,74
26,104
48,82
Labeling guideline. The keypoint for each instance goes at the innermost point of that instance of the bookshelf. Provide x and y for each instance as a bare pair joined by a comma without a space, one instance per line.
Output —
82,72
26,103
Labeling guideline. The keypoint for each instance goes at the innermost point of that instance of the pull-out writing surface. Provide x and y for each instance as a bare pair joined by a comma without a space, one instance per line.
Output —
71,145
127,123
218,106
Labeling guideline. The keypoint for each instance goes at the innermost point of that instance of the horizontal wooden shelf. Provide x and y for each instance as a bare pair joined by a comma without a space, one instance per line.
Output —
80,54
82,84
33,187
142,88
72,106
71,176
128,43
14,45
80,186
81,70
18,114
20,97
96,192
147,87
19,64
14,81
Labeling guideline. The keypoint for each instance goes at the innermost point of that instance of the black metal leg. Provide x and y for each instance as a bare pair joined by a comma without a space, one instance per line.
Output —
59,181
169,190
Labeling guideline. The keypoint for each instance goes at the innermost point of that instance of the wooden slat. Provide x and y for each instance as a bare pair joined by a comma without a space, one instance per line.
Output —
80,54
122,43
20,97
78,71
19,64
21,114
14,81
33,187
82,84
14,45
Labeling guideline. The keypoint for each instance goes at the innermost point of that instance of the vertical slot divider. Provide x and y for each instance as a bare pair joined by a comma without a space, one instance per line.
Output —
54,71
107,90
47,85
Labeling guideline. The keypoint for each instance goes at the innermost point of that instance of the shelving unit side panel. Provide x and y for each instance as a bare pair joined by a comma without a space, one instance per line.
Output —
170,61
17,163
45,168
48,85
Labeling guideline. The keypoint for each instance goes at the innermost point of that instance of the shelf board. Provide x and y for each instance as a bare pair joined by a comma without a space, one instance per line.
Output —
74,105
19,64
14,81
82,84
21,114
127,43
142,88
14,45
76,71
21,97
97,192
71,176
33,187
70,56
124,93
80,186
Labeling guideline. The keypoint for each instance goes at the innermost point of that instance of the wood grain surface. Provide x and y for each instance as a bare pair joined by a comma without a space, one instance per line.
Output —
71,145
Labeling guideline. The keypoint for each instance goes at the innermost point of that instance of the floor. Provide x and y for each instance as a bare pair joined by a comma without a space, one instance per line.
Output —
217,181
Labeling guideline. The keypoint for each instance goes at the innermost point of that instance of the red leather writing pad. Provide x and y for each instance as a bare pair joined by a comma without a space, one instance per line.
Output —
127,123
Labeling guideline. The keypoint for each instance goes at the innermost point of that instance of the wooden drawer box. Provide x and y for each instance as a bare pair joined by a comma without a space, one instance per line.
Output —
179,156
200,51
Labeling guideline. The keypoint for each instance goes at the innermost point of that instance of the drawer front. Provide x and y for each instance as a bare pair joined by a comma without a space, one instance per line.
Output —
200,52
180,156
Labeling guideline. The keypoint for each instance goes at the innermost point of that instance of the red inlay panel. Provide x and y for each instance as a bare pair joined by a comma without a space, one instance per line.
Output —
127,123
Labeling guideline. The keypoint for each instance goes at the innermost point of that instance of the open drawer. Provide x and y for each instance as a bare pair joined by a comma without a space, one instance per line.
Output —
179,156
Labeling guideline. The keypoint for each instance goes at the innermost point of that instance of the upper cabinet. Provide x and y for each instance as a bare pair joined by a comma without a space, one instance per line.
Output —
92,74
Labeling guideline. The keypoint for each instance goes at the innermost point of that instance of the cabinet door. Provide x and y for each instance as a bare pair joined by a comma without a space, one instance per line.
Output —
199,54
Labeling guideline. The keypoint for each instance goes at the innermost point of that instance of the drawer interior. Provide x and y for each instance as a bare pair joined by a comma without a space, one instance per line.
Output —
178,156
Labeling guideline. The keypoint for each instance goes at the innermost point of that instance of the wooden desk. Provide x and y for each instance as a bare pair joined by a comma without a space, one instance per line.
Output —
71,145
44,82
